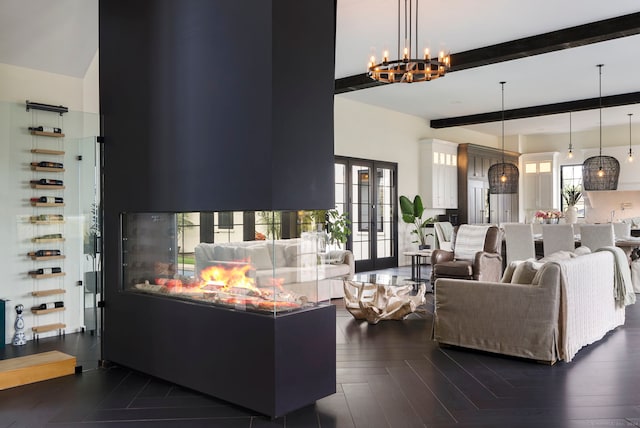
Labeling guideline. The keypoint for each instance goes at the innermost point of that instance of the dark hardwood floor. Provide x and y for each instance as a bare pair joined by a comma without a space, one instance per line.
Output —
388,375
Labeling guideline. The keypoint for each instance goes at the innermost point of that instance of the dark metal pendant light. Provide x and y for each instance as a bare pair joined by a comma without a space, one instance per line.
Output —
570,151
600,172
503,177
630,156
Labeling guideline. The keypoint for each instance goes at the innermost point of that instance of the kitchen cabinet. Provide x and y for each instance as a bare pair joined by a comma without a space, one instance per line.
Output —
540,188
475,204
438,173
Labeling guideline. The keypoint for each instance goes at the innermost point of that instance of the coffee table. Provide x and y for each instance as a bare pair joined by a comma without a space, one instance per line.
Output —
378,297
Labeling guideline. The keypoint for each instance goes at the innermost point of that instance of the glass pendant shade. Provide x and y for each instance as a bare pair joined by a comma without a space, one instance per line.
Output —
503,176
600,172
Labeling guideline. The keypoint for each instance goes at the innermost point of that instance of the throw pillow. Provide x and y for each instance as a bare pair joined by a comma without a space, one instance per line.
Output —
582,250
525,272
508,272
336,257
258,256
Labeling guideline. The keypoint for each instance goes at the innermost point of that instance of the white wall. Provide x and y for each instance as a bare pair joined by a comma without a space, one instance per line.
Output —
17,85
368,132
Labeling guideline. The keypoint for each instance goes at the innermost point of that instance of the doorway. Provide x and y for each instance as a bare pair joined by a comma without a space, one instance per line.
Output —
368,191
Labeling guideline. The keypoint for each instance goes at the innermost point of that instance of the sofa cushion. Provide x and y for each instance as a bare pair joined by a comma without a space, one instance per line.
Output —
224,253
259,256
296,257
525,272
455,269
277,253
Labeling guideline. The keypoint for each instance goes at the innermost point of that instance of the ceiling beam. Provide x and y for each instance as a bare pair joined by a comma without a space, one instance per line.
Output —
541,110
572,37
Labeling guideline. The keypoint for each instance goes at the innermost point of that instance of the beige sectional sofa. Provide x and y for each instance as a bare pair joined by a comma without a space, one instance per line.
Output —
294,262
547,314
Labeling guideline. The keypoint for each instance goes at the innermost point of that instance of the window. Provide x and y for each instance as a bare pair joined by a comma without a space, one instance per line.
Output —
225,220
571,175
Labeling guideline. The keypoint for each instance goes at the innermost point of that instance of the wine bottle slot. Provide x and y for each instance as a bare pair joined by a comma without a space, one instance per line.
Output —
50,305
46,129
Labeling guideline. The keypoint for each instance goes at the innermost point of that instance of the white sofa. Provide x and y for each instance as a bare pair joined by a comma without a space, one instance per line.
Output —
294,262
560,308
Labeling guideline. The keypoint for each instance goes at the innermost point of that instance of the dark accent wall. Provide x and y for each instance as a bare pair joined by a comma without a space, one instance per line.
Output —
217,105
207,105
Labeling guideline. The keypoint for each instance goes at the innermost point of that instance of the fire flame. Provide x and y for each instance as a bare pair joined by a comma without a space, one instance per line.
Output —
229,284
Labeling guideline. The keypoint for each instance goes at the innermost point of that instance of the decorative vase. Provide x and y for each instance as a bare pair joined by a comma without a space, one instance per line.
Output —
551,221
571,214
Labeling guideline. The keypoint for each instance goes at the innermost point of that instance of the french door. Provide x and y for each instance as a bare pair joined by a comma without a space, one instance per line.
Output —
368,191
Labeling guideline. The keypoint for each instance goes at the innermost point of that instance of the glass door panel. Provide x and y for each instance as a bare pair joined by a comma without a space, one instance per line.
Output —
385,195
361,211
368,189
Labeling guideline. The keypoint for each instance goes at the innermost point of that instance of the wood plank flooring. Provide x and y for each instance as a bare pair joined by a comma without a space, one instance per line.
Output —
388,375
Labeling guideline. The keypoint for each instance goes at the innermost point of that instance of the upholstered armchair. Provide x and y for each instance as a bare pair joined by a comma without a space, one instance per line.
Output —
475,255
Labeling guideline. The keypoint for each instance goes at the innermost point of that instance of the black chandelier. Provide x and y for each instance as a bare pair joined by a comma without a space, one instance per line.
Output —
503,176
408,68
600,172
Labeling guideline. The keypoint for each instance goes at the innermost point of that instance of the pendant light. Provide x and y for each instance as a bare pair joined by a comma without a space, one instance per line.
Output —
630,157
503,176
408,67
570,151
600,172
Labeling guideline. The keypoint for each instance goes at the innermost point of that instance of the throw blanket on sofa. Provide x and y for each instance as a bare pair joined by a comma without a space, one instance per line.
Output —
622,285
469,240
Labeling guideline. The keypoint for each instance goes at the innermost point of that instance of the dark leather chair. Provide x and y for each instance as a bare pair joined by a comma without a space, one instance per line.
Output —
485,264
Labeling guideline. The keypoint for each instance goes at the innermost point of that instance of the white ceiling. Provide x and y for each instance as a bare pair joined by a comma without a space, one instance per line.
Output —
58,36
368,27
61,36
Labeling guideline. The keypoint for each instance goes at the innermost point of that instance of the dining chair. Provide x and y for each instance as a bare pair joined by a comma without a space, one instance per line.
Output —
557,237
519,241
621,230
596,236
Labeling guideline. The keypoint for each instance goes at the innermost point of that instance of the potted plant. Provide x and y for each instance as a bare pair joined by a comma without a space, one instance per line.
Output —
571,195
412,214
336,225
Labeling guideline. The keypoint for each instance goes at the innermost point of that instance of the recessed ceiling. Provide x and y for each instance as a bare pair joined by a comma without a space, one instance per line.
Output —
366,28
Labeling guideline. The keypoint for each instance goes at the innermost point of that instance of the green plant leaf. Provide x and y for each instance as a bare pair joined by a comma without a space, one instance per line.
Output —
406,206
418,208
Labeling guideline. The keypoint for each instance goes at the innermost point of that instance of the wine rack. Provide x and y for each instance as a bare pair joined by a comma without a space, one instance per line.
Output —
47,218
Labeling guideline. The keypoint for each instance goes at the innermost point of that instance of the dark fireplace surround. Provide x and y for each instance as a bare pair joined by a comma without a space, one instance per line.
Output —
217,106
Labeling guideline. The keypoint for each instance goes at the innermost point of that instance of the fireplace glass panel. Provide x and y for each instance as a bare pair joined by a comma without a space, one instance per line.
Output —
233,260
